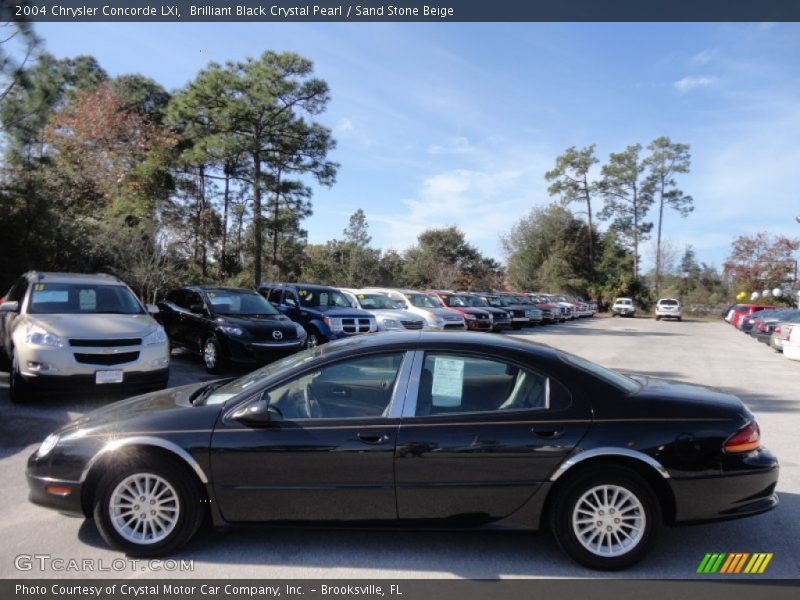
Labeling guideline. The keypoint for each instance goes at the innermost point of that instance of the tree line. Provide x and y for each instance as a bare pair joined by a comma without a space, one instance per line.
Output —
213,183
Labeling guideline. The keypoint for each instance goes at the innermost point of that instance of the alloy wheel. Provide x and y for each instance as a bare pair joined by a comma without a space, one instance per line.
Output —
144,508
609,520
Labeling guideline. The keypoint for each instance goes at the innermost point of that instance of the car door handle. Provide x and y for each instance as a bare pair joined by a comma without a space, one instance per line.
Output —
373,438
339,392
547,433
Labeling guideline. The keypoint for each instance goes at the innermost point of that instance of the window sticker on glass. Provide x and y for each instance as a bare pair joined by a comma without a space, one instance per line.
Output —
38,287
87,299
448,381
50,296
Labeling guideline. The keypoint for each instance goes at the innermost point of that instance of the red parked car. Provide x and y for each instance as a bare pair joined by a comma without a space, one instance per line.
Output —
742,310
476,319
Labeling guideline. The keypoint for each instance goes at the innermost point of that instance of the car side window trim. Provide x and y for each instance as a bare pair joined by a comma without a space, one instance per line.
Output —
410,404
396,401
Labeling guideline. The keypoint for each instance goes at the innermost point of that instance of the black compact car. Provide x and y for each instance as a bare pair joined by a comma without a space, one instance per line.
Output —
228,326
414,429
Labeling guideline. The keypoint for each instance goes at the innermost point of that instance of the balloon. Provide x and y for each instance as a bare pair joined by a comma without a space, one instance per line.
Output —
754,296
777,292
766,293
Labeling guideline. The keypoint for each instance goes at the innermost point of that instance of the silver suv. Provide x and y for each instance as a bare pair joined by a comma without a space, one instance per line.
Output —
669,308
389,314
59,330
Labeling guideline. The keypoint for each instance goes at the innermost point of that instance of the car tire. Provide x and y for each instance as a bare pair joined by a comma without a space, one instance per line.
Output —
159,479
18,389
658,318
213,358
580,500
314,339
517,326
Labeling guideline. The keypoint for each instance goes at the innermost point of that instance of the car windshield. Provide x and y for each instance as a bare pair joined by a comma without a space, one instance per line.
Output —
668,302
238,302
453,300
623,301
82,299
311,297
423,301
376,302
608,375
475,301
497,301
252,380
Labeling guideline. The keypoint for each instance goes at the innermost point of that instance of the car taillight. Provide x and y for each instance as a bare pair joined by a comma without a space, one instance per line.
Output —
777,330
746,439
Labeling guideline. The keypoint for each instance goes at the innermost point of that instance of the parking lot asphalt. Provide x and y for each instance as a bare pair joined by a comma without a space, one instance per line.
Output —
707,353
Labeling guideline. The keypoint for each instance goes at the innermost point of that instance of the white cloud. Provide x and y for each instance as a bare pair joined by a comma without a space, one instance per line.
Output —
343,125
704,57
687,84
456,145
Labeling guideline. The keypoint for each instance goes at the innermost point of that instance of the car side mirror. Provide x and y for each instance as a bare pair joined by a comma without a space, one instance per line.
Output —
258,414
197,309
152,309
11,306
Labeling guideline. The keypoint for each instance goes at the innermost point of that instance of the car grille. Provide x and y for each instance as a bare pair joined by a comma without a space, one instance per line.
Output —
356,325
106,359
109,343
453,326
452,318
483,317
411,324
546,312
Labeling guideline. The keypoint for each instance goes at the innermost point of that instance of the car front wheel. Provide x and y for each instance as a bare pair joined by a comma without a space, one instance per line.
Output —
18,390
607,519
314,339
213,359
149,509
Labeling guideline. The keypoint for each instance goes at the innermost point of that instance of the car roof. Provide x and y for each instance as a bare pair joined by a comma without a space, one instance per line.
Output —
85,278
452,340
205,287
313,286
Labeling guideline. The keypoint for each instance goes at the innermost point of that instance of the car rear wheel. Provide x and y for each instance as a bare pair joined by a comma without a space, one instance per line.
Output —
18,389
148,509
606,519
213,358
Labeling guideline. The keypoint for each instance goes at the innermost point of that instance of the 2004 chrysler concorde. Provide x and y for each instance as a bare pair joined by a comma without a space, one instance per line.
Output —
414,429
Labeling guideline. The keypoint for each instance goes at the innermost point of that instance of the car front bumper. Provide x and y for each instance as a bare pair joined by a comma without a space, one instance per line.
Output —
58,494
132,382
247,352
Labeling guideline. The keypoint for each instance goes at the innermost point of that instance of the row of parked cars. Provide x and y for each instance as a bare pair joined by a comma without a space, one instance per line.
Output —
779,328
91,330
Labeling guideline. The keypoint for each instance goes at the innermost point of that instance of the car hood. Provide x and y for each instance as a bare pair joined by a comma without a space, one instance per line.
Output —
336,311
95,326
165,409
470,310
438,312
394,313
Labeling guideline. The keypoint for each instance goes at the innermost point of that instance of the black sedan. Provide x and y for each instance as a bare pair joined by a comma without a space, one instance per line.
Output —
414,429
228,326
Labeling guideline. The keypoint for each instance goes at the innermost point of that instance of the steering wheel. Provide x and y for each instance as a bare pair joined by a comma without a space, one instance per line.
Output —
311,404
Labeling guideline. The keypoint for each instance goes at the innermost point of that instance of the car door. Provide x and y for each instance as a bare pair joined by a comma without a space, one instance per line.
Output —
170,309
7,319
479,435
331,454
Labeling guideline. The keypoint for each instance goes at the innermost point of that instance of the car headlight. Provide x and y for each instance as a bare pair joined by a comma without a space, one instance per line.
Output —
301,333
237,331
47,445
159,336
335,324
392,324
42,337
439,321
529,313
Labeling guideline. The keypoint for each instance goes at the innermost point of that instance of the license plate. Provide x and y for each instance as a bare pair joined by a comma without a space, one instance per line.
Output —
101,377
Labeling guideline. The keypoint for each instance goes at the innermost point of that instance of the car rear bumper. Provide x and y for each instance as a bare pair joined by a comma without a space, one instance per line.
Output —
730,496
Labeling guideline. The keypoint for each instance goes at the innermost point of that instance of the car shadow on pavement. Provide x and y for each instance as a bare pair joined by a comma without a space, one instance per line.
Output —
485,554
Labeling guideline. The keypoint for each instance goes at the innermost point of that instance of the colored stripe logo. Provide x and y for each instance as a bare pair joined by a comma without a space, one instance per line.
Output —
734,563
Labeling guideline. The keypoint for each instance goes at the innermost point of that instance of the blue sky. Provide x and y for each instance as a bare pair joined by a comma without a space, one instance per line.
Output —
442,124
